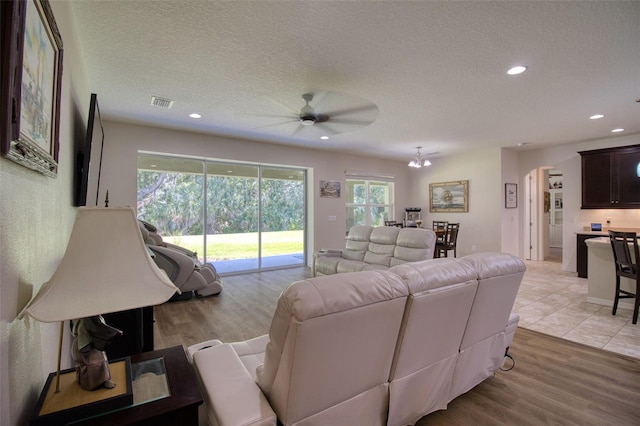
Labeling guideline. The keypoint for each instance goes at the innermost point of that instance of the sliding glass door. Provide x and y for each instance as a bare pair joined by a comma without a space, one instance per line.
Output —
240,217
232,237
282,216
170,198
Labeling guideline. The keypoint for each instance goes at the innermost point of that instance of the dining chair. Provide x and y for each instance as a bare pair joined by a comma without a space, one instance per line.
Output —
440,228
439,225
449,241
627,267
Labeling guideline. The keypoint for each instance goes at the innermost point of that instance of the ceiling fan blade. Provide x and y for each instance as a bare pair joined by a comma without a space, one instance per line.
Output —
281,105
293,120
326,128
318,98
354,122
297,130
292,117
361,108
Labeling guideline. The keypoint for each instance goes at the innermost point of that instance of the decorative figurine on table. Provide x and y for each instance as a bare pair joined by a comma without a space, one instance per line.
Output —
92,336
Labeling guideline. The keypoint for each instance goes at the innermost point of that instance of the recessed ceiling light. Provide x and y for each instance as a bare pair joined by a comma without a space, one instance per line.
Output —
617,130
597,116
195,115
324,138
517,70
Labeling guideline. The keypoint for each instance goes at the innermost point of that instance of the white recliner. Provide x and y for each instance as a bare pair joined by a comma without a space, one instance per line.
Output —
457,328
326,360
181,265
375,248
369,347
441,294
485,338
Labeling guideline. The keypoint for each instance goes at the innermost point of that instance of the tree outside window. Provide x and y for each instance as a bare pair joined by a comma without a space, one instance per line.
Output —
368,202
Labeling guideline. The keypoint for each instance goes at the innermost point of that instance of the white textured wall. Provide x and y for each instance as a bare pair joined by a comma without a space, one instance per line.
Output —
37,217
123,141
481,226
510,217
567,159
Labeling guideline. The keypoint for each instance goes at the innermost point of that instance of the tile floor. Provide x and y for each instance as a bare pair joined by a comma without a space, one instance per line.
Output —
553,301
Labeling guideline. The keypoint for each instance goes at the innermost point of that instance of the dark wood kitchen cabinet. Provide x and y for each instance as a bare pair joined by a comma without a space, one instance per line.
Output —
611,178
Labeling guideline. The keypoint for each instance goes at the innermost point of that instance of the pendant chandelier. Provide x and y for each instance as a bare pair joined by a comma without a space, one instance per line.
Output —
419,160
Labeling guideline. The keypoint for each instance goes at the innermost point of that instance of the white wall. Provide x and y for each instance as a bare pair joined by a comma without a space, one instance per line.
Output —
37,217
567,159
510,217
123,141
481,226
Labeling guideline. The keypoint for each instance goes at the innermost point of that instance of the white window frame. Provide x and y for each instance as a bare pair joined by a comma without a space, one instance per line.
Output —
369,179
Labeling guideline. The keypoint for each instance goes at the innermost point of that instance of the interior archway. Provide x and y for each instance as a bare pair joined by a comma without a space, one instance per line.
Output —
543,214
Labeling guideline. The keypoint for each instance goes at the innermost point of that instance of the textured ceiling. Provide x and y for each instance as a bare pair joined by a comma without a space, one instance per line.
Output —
435,70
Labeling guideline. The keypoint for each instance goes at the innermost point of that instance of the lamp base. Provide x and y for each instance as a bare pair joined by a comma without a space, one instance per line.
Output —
74,403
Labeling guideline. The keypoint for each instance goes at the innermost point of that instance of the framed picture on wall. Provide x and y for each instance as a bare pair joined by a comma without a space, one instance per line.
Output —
449,197
510,195
329,189
31,85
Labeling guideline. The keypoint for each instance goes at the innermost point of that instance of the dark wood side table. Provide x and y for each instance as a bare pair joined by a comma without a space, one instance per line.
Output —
180,408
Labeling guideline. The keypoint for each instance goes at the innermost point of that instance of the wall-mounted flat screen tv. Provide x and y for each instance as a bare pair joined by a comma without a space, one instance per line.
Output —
89,159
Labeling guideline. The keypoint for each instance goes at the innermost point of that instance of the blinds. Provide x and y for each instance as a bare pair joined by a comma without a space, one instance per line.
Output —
356,174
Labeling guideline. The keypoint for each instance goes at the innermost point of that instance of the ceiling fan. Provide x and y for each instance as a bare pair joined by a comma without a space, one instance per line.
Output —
327,113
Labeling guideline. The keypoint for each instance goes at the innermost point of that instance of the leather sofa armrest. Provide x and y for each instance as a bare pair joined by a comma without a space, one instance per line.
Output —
201,346
324,253
232,397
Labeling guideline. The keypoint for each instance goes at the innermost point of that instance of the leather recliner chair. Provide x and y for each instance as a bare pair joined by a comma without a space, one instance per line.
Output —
181,265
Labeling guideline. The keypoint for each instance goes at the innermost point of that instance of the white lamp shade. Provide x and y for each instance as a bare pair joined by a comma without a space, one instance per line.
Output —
106,268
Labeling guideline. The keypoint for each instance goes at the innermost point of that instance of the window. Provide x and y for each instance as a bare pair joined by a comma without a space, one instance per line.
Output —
368,201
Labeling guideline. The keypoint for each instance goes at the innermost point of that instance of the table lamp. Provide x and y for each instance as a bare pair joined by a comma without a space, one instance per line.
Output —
106,268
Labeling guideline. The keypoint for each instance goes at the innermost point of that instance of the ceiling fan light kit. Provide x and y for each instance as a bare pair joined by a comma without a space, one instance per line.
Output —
307,115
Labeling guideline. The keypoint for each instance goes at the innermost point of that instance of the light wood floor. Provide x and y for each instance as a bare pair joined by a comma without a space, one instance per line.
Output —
243,310
554,381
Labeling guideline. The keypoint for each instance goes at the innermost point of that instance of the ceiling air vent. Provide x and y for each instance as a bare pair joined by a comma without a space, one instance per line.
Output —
161,102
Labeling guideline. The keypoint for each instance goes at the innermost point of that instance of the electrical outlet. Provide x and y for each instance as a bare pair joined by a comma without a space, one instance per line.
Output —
332,218
473,247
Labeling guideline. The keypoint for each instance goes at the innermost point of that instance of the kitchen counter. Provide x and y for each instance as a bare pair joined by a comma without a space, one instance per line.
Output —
602,275
605,231
582,262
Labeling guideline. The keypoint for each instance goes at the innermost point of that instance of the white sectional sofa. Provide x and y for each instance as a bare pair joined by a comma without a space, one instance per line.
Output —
370,347
375,248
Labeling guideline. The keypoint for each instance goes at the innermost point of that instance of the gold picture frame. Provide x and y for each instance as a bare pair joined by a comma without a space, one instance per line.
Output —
31,85
449,197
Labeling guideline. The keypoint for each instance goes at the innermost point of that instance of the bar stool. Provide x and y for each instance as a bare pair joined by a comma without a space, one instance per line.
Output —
626,266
